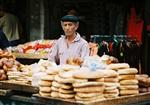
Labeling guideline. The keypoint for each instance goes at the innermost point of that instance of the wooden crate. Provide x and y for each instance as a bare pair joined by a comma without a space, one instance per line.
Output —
18,86
123,100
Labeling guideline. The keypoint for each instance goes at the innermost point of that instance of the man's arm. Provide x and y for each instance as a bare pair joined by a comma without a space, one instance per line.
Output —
85,50
53,54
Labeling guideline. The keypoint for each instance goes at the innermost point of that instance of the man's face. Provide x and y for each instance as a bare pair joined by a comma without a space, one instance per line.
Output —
69,28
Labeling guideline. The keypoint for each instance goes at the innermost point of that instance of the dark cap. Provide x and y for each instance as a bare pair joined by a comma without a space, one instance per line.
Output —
70,18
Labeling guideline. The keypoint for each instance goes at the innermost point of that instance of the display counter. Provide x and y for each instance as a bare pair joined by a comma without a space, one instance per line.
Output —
28,95
29,58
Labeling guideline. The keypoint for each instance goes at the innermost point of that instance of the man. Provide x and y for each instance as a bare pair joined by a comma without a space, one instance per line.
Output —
71,44
9,24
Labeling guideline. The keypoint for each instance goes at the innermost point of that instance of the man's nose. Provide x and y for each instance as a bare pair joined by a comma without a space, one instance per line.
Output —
67,27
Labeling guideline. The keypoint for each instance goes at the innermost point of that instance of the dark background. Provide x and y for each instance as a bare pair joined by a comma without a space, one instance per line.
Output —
97,17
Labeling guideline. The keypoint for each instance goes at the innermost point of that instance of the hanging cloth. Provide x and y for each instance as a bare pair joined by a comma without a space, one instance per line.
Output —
135,25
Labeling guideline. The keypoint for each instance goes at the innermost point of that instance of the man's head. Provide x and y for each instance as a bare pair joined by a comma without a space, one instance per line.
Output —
69,24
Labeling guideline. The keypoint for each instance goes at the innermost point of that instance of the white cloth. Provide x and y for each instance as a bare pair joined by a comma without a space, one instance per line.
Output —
10,26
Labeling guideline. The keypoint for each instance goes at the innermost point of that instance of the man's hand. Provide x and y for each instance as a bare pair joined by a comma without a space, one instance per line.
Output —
74,61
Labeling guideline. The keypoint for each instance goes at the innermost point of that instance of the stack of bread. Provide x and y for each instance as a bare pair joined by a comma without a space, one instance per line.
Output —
8,63
45,84
92,89
63,83
68,67
128,81
144,82
127,78
111,82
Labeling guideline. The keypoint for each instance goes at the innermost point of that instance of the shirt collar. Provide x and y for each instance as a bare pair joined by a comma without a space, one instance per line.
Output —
77,38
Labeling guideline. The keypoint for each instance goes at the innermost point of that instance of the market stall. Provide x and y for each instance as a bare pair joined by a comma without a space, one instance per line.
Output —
107,83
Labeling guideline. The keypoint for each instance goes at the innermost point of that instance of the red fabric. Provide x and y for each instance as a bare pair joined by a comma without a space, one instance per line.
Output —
135,26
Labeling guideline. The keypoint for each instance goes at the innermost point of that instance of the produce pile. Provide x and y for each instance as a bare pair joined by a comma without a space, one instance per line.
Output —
7,64
36,47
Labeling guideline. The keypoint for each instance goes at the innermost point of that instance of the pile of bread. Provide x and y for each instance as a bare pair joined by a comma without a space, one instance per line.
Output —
81,85
127,78
85,85
70,82
45,84
7,64
59,85
144,83
111,82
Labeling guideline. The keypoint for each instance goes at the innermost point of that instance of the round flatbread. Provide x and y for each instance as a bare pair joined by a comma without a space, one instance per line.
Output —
126,87
45,83
84,95
54,94
129,82
129,92
85,84
117,66
44,94
127,71
47,78
66,86
89,89
66,96
89,74
65,91
55,88
45,89
62,80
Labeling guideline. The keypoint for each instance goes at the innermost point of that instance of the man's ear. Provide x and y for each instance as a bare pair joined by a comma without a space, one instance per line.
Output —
77,25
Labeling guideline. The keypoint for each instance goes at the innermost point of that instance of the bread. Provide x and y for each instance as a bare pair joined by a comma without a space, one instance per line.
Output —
99,80
67,67
89,98
90,89
62,80
44,94
108,84
65,91
45,83
89,74
67,74
66,86
107,88
74,61
110,79
114,91
111,95
54,94
47,78
56,89
127,71
142,75
80,80
84,95
117,66
66,96
129,82
129,92
143,90
110,73
45,89
56,84
85,84
53,70
125,77
129,87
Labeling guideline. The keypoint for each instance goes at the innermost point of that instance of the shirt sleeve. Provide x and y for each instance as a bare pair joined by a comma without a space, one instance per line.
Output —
53,54
85,50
